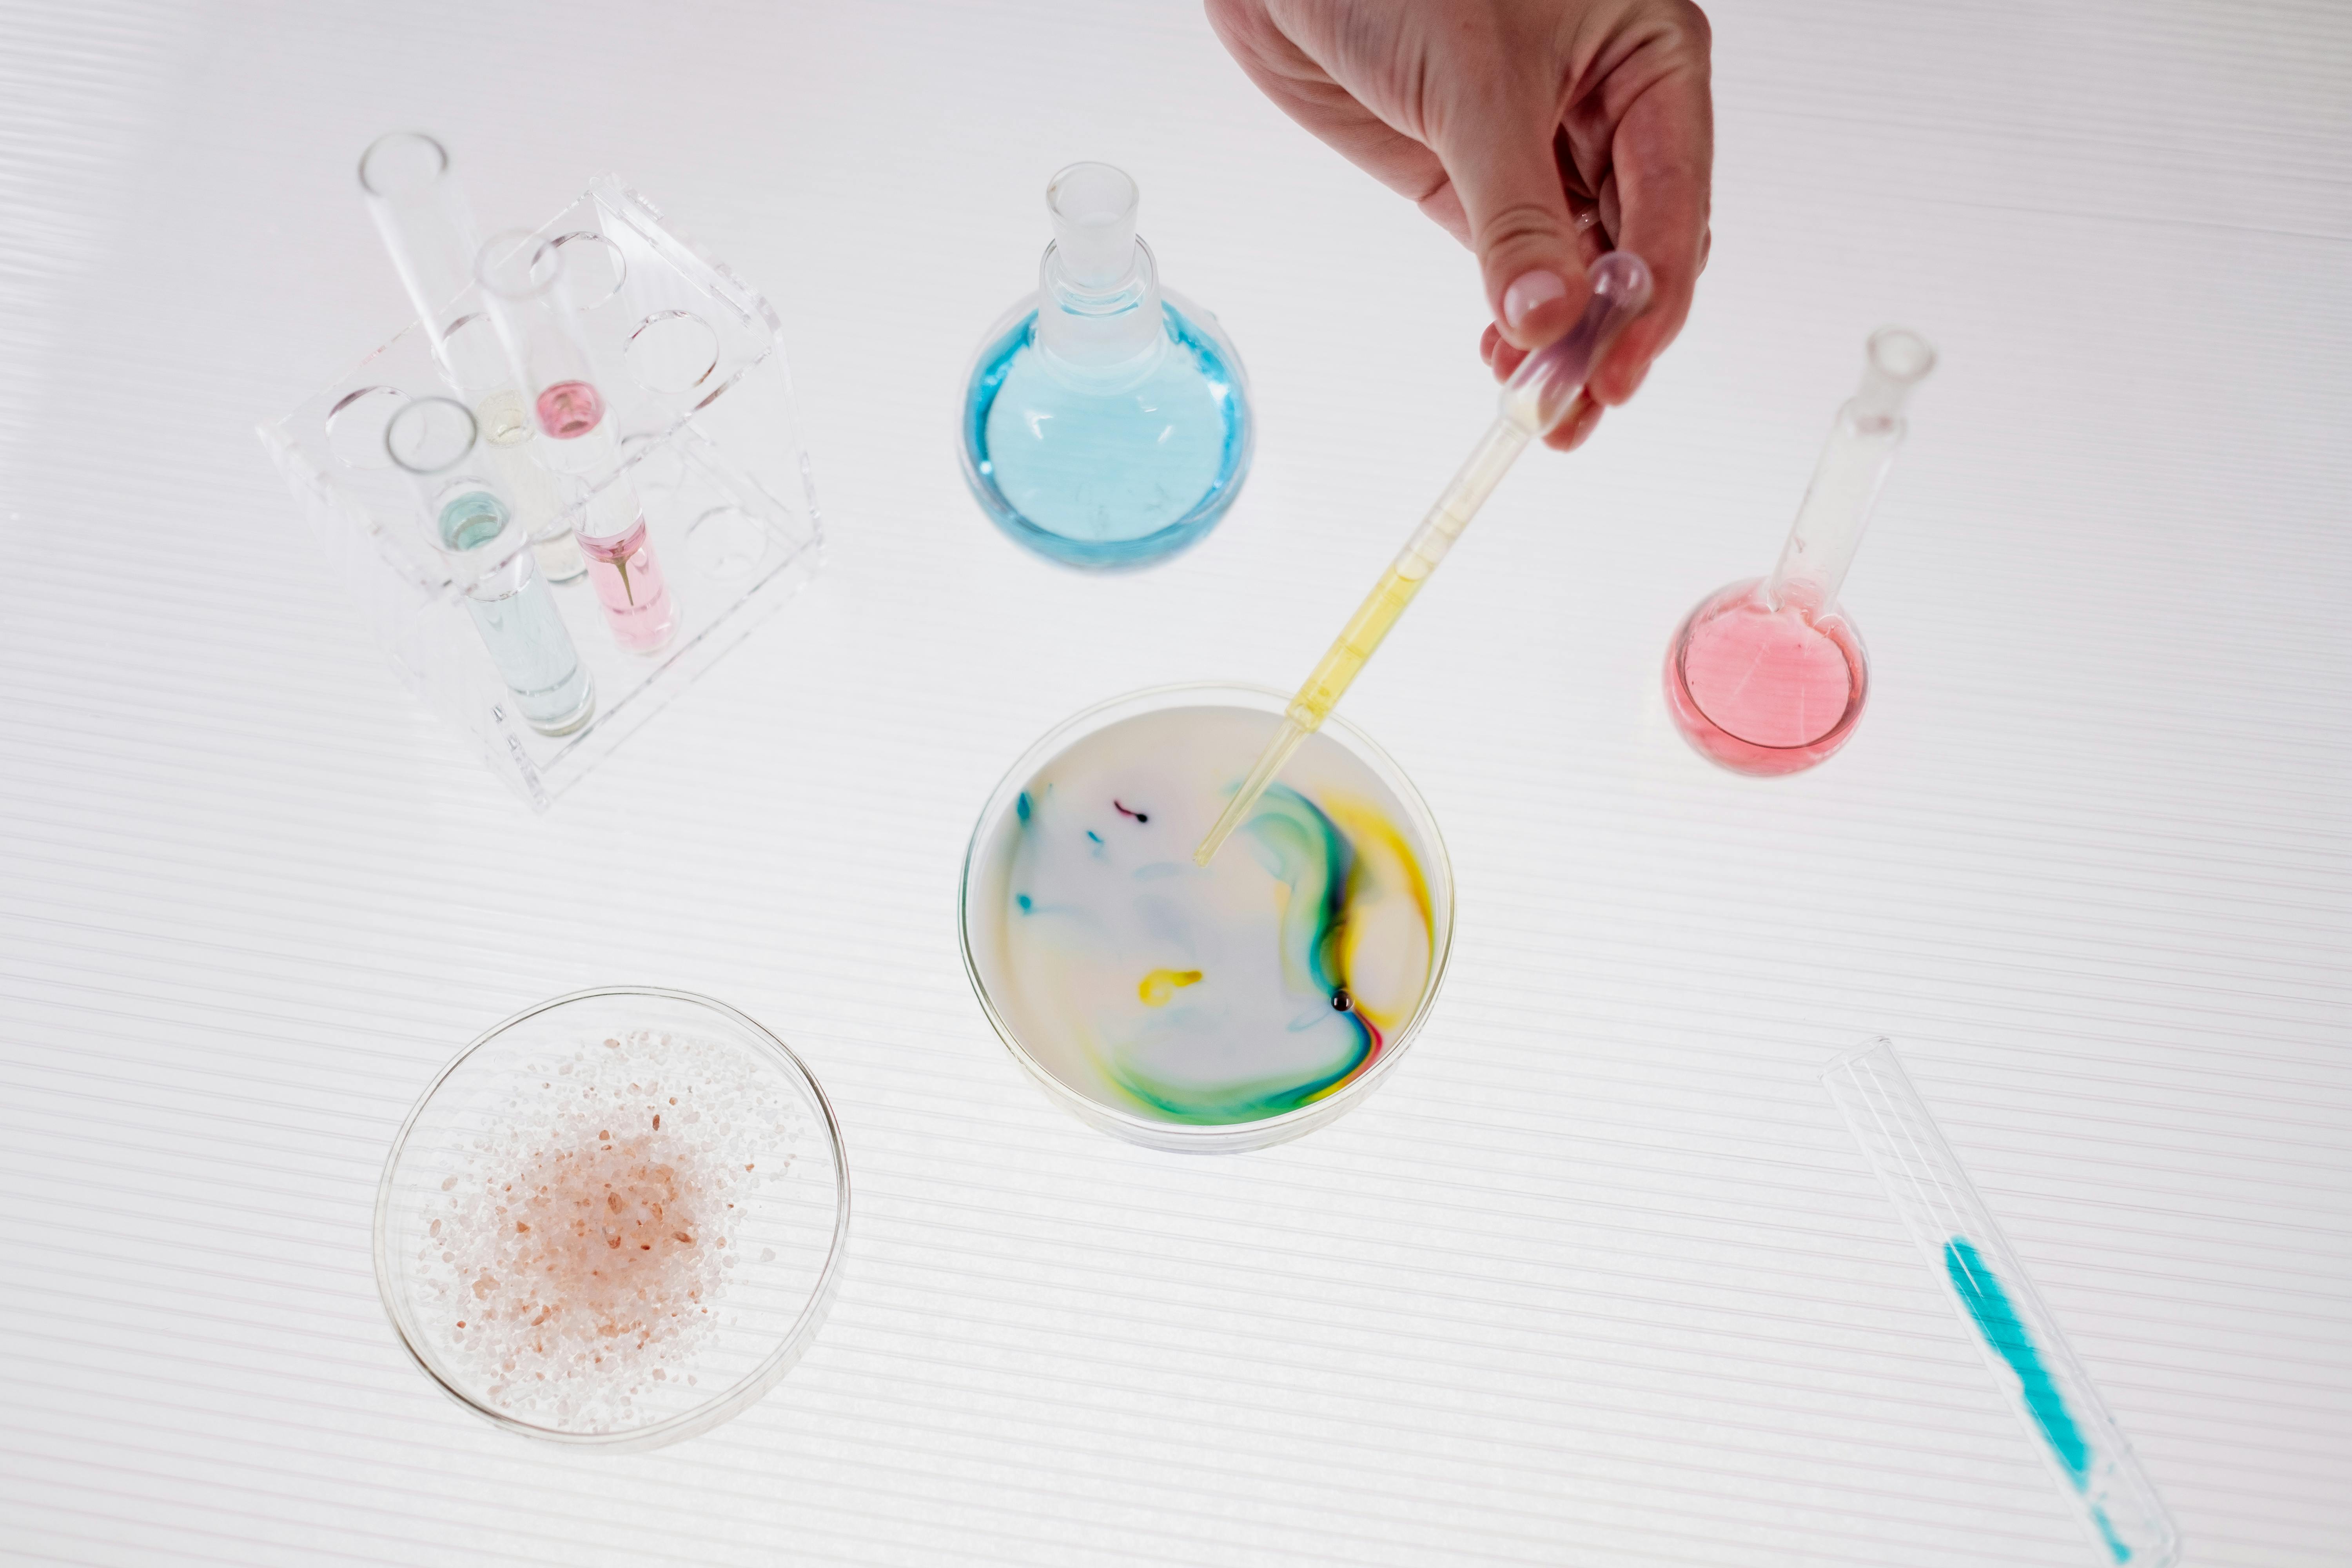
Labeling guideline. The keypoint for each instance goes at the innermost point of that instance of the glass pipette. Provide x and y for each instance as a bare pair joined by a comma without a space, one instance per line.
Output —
1537,398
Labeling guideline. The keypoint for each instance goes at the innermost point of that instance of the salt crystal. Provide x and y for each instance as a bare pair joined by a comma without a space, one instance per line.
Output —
596,1254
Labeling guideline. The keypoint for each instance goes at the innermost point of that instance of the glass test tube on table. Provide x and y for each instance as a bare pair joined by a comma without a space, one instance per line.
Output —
436,442
2030,1360
523,280
421,211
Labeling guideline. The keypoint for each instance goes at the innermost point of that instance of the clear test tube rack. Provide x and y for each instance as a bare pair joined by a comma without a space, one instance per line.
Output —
694,370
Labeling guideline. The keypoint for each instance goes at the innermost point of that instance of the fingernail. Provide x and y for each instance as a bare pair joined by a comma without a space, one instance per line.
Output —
1531,293
1585,425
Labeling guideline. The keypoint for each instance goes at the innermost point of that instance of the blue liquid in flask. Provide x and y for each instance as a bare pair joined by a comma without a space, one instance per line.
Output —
1104,424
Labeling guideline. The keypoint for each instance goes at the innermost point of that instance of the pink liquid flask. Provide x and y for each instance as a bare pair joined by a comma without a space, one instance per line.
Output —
1760,690
1768,675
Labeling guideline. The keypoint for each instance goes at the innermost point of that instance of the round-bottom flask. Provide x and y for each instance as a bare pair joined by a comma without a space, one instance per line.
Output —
1106,422
1768,675
1765,690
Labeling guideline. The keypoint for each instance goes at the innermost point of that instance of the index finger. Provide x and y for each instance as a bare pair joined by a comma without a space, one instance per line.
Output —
1659,158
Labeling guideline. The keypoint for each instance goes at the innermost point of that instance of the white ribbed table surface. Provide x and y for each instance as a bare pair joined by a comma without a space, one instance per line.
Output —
1597,1277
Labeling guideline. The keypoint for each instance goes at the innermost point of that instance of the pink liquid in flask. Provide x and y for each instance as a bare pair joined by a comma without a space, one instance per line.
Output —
1768,675
1765,692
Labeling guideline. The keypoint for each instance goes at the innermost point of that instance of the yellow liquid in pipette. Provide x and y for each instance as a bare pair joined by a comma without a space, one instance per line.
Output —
1361,637
1355,643
1541,392
1324,688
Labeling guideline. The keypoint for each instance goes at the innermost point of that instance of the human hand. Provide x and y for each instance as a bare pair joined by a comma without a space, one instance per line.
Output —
1539,133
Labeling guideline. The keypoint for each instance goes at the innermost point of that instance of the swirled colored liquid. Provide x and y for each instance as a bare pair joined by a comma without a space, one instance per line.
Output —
1255,986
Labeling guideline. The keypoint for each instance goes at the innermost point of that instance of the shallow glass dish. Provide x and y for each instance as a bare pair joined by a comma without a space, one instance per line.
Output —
565,1241
1222,735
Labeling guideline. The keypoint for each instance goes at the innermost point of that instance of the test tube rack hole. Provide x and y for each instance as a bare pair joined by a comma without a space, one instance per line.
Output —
707,435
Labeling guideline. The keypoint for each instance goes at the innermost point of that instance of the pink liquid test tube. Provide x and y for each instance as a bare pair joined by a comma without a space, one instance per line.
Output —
1768,675
622,565
523,280
630,586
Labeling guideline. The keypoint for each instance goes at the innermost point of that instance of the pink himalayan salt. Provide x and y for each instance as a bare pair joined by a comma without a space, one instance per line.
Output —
575,1320
591,1249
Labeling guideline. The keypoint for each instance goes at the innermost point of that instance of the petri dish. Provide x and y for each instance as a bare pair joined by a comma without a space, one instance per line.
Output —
1179,1008
615,1220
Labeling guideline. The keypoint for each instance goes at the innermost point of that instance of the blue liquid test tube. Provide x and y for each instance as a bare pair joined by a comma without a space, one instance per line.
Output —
2030,1360
435,441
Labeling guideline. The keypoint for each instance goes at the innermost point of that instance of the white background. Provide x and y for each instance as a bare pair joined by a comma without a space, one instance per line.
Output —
1596,1277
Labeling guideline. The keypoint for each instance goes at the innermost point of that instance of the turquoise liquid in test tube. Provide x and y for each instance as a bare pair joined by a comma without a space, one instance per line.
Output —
2028,1359
434,441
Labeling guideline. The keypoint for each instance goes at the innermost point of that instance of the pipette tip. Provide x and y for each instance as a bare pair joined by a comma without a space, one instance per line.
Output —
1537,396
1270,761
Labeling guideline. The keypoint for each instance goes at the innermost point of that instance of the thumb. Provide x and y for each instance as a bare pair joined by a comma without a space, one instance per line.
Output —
1498,155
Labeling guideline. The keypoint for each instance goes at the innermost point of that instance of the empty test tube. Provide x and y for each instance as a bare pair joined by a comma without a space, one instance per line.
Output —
2028,1357
421,212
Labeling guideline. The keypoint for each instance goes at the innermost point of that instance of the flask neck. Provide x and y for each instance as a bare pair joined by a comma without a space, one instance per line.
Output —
1837,506
1836,510
1096,316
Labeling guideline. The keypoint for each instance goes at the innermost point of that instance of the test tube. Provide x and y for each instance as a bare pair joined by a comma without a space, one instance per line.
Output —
420,209
523,282
421,212
436,442
1972,1262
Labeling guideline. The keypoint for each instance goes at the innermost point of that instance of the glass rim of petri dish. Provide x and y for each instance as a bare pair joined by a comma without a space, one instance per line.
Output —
726,1403
1228,1136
